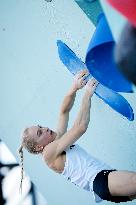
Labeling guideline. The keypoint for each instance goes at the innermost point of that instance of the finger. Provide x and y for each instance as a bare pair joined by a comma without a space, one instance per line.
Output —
84,82
82,73
93,81
95,86
90,82
84,77
97,83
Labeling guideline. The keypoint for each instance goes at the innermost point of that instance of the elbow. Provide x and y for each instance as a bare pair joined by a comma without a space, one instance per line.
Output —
64,109
81,128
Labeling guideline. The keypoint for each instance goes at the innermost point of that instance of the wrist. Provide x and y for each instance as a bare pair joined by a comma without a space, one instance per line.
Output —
71,92
73,89
88,93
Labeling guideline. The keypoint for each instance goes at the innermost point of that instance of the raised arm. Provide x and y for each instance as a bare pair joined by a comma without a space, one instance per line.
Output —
80,125
83,117
68,102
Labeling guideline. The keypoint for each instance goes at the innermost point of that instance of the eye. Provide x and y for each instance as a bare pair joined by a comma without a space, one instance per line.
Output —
39,132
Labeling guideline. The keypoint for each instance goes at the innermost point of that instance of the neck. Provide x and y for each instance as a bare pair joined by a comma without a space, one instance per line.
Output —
55,137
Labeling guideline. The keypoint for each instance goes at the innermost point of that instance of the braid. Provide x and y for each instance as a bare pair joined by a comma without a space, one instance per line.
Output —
28,143
20,151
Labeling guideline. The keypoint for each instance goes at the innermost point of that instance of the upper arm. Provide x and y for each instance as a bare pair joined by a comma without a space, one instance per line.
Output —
69,138
55,148
50,152
62,123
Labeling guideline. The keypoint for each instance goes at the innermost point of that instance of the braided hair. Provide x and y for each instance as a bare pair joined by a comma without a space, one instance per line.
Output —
29,144
20,151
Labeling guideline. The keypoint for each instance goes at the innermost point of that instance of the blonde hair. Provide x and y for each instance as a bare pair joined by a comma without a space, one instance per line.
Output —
29,144
20,151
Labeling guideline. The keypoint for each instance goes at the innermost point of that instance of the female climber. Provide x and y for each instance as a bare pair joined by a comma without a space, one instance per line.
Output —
61,154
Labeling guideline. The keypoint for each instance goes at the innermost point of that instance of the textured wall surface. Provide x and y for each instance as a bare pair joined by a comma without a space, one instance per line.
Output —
33,82
91,8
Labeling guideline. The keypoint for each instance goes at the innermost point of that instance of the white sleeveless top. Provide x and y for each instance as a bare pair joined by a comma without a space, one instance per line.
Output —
81,168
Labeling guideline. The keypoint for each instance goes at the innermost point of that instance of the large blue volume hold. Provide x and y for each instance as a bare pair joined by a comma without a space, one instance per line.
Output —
110,97
100,59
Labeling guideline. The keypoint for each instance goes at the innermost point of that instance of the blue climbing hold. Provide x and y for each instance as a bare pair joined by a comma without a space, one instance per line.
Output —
100,59
110,97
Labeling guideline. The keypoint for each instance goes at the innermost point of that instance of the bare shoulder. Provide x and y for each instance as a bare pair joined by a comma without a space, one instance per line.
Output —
53,150
50,152
69,138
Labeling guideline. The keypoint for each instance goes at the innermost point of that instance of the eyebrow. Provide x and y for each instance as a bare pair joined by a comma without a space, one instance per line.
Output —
37,131
39,126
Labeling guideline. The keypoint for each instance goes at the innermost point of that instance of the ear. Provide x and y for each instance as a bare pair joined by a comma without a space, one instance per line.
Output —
39,148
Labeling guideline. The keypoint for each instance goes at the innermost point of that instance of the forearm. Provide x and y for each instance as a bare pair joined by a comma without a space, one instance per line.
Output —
83,116
68,100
